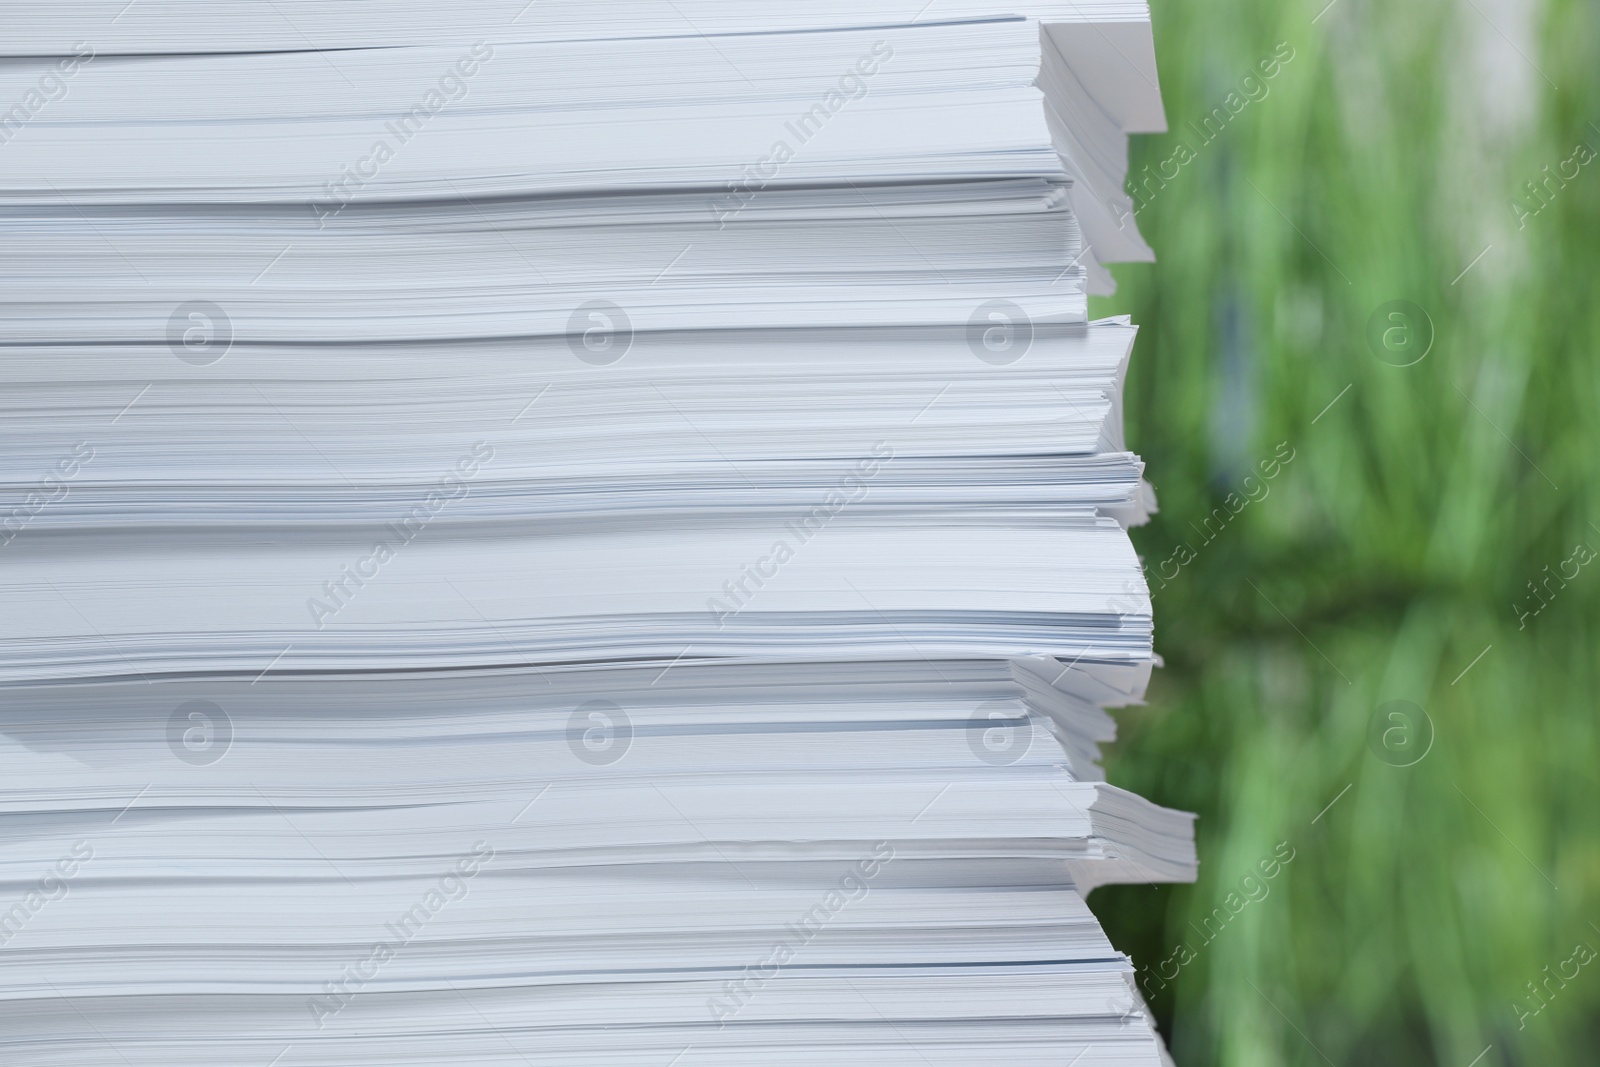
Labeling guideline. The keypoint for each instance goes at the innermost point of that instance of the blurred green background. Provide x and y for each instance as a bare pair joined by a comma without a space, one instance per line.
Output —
1443,909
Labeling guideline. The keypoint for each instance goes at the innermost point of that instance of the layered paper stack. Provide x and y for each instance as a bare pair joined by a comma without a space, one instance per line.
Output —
547,535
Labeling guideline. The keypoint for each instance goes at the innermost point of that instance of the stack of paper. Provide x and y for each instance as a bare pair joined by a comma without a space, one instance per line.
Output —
534,537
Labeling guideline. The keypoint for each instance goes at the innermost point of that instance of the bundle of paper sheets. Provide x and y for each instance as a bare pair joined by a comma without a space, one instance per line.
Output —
547,533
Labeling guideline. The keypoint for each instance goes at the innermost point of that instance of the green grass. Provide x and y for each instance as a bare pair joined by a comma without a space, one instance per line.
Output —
1389,552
